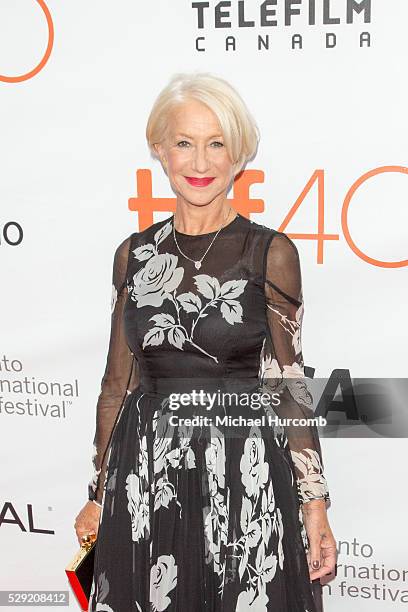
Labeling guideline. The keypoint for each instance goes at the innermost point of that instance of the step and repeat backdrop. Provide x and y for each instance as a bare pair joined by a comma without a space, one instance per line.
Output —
326,83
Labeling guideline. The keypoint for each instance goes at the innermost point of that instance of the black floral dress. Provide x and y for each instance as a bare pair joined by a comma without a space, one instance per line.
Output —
201,497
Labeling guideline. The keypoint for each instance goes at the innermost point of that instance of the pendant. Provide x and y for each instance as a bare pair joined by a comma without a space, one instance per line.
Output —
197,264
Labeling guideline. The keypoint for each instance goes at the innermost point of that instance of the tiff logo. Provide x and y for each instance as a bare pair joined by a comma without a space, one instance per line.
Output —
145,204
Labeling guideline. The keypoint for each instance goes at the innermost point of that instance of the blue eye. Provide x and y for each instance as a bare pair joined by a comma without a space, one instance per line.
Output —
182,142
217,142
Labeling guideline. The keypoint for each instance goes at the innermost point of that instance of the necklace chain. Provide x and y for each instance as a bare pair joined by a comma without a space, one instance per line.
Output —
197,262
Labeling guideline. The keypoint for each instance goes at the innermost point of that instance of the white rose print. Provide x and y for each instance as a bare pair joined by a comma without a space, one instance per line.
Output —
163,579
159,279
114,298
312,482
138,506
253,466
101,593
292,327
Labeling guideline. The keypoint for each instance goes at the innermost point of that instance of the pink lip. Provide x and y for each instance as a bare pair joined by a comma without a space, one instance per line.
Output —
199,182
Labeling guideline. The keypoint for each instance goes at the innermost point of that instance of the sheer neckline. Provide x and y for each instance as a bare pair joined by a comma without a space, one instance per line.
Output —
207,233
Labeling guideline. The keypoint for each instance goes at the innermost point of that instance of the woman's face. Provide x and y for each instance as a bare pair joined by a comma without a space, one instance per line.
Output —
194,154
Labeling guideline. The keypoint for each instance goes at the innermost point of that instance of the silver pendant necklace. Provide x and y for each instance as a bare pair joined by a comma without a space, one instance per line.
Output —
197,262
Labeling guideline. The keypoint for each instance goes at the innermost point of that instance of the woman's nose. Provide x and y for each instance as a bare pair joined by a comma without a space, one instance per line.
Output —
200,160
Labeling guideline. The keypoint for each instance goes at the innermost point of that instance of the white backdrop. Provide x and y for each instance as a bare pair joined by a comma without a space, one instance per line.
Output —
72,141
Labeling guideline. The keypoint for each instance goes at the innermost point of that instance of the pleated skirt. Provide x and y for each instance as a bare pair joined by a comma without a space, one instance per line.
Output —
198,518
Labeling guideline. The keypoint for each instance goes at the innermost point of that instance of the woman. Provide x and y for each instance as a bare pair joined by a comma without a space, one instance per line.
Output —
212,516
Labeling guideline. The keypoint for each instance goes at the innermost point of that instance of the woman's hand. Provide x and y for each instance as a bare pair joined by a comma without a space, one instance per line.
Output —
322,543
87,520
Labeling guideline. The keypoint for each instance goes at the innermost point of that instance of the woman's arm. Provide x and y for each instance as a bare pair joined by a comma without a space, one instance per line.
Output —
120,374
282,364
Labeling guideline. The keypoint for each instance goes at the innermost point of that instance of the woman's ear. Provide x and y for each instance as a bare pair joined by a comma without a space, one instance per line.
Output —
161,154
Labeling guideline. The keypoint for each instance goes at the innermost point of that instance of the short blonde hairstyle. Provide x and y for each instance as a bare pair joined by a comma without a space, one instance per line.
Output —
241,133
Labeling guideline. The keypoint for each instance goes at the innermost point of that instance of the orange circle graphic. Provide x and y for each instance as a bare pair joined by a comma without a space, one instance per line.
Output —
44,59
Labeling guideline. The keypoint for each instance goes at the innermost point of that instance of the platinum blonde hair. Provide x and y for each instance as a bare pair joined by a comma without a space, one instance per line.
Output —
240,131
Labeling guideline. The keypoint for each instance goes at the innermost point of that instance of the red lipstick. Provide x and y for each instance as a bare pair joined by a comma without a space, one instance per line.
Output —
199,182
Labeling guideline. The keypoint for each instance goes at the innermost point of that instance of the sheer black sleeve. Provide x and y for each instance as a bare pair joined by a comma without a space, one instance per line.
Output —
282,365
121,374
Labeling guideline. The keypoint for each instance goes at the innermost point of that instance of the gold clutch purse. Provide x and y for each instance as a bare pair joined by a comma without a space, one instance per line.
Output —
80,571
